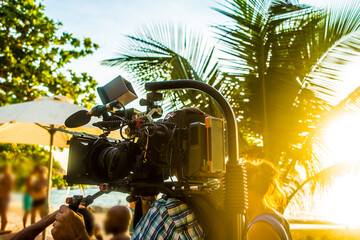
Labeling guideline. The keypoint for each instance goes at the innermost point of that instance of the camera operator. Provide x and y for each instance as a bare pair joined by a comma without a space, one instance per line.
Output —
30,232
168,218
185,217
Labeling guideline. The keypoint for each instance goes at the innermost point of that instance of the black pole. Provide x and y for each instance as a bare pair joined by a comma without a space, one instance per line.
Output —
235,177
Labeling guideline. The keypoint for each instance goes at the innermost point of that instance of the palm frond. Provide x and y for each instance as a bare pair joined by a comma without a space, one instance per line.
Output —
271,54
169,51
269,49
326,79
323,166
341,22
343,18
326,82
167,41
319,182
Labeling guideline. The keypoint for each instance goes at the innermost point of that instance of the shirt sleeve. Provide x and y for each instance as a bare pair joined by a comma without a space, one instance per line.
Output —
151,225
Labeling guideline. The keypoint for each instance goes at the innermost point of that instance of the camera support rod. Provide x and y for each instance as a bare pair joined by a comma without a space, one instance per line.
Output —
235,178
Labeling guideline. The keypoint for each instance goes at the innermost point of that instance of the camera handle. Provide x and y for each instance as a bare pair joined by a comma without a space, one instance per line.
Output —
77,200
235,176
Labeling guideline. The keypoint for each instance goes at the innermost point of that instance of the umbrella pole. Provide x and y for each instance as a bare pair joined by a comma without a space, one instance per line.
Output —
50,167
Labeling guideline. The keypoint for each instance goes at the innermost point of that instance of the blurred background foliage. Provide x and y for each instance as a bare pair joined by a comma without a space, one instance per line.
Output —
34,55
24,158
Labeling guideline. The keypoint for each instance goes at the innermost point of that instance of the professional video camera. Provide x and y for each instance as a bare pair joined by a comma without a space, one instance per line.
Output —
186,143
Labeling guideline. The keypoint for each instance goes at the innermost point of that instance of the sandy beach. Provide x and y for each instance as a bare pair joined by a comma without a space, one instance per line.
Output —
15,214
326,234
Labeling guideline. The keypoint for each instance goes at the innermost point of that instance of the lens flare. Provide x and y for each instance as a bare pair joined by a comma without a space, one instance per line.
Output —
341,203
341,137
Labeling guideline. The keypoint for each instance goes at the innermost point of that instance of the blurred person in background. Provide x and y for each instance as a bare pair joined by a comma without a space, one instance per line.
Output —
97,232
38,193
265,197
6,185
117,222
27,200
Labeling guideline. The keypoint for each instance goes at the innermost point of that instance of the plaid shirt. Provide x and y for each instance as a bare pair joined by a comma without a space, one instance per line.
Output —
168,219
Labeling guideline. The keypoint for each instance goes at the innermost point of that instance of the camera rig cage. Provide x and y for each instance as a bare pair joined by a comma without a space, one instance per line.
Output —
233,175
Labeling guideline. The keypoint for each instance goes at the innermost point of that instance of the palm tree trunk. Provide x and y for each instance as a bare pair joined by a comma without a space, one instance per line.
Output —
262,66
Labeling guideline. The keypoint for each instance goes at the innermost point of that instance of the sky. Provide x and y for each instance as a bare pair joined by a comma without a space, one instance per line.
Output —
107,22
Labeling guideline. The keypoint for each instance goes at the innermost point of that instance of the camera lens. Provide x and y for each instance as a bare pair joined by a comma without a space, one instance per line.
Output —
102,157
110,161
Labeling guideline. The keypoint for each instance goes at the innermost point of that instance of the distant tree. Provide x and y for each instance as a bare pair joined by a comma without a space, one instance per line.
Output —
58,180
33,63
34,55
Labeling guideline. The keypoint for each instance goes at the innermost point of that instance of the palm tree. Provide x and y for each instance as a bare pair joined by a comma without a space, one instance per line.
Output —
277,47
274,48
273,45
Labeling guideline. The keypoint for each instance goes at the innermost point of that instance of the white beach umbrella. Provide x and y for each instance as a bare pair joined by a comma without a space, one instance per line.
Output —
24,122
32,123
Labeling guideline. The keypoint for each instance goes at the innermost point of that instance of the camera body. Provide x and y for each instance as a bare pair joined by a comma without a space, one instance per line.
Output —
180,154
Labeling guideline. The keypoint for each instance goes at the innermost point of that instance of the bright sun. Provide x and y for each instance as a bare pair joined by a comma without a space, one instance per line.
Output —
341,204
342,137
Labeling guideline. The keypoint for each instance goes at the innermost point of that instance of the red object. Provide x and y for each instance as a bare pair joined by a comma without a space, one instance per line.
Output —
103,187
138,122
